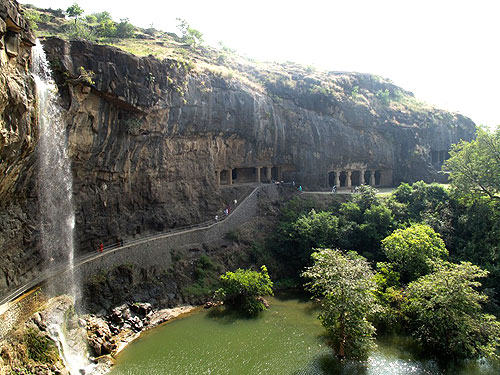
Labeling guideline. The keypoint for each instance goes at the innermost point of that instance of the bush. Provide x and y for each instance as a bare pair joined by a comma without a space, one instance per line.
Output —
125,29
243,289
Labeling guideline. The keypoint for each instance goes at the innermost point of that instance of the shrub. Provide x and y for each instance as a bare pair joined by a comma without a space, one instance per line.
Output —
242,289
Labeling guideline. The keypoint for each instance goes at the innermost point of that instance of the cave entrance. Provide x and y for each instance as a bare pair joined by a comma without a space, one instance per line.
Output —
244,175
378,176
331,178
356,178
343,179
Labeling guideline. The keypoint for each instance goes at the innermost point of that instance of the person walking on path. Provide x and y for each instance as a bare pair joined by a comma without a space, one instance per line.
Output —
216,218
101,247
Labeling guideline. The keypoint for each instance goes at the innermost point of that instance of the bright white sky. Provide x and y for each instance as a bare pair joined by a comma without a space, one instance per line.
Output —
447,52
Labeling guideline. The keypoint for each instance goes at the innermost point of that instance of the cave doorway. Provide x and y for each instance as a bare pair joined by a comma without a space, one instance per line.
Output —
378,176
355,178
343,179
331,178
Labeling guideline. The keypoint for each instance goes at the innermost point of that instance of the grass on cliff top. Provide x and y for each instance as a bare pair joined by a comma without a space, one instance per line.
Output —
280,80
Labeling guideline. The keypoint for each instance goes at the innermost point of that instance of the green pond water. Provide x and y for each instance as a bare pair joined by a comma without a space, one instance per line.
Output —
287,339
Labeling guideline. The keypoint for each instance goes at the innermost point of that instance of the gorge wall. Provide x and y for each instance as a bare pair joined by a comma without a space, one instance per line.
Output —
18,139
151,140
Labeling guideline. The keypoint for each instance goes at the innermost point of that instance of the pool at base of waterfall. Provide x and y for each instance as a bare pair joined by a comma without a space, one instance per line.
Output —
286,339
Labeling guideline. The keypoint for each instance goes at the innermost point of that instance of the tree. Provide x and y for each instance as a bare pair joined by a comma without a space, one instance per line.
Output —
413,249
474,167
419,199
74,11
316,229
345,282
366,197
445,313
125,29
243,289
190,36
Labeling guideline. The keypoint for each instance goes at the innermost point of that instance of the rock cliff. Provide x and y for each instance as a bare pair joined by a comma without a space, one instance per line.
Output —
152,140
18,139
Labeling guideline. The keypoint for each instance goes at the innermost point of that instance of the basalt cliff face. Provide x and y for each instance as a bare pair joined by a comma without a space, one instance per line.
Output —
152,141
18,139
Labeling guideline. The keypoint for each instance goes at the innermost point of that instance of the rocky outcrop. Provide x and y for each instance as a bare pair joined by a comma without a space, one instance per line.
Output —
18,139
111,334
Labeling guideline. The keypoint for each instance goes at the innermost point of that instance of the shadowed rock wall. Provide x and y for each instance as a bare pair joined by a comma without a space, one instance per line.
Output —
18,139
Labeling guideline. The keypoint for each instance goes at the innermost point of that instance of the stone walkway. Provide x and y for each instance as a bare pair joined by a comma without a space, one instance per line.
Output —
128,252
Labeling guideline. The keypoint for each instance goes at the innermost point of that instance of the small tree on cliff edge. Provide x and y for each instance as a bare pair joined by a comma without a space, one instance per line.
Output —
345,283
243,289
74,11
190,36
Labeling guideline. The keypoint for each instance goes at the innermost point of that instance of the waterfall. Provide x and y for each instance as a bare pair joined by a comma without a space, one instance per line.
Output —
54,179
55,201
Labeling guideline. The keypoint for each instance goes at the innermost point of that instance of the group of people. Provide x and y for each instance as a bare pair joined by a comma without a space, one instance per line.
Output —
226,211
354,189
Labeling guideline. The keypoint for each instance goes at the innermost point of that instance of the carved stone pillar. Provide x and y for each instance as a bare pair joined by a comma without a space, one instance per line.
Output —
230,177
337,179
372,178
362,177
348,181
217,178
268,174
257,174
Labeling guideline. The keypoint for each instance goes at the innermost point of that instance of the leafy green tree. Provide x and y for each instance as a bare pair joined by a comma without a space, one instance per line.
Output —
81,31
33,18
345,283
474,166
74,11
366,197
124,29
91,19
244,289
190,36
103,16
445,313
106,28
378,224
351,212
412,250
390,296
419,199
316,229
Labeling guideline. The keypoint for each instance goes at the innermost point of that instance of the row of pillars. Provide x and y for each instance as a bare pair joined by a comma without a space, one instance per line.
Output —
267,172
362,180
227,174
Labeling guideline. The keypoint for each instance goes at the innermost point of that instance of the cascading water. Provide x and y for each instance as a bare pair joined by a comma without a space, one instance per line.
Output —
56,207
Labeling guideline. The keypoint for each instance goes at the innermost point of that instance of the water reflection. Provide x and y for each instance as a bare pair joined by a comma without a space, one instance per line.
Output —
286,340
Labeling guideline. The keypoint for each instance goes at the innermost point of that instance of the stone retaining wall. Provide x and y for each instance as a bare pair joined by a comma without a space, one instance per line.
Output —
157,252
